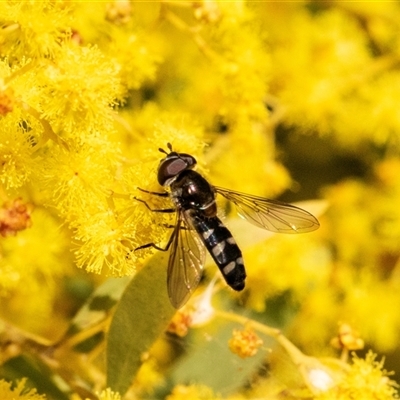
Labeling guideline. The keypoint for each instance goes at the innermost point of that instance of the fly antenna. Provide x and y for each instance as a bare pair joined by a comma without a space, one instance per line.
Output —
169,145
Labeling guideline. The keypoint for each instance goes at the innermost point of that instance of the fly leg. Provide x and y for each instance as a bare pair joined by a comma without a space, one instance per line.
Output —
167,246
163,194
160,210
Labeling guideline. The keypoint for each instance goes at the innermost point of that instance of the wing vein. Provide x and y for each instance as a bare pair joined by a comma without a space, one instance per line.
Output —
270,214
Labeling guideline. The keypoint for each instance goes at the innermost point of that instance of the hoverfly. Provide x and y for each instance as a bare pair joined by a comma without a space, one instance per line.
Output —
198,227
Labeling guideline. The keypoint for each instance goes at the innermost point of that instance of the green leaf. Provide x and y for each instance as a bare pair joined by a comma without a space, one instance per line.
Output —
210,362
98,305
140,318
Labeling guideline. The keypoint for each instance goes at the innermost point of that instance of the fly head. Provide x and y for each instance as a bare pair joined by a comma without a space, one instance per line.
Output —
173,164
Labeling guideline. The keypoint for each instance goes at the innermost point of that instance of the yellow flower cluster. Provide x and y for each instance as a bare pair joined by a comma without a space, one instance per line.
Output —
366,379
19,392
267,96
244,343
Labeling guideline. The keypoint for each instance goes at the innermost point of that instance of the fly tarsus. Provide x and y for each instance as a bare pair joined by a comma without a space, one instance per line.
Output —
163,194
147,245
160,210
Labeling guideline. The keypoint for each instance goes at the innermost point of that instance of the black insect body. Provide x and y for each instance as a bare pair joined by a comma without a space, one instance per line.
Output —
223,249
191,193
196,211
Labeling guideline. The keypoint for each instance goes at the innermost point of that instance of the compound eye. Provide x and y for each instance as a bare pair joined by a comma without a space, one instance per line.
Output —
175,167
172,166
169,169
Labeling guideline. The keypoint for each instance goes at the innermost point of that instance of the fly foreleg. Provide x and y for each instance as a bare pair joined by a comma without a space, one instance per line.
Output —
163,194
167,246
160,210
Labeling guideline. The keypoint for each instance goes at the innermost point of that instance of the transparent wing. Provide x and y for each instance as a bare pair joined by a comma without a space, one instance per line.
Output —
269,214
186,261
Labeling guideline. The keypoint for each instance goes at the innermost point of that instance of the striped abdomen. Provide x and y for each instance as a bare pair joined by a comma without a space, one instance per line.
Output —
222,247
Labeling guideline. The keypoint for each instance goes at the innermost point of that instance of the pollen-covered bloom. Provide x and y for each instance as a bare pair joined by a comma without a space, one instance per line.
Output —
108,394
245,343
365,379
347,338
18,392
181,322
14,216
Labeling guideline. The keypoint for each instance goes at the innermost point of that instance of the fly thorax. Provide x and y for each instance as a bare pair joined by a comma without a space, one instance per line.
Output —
191,191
